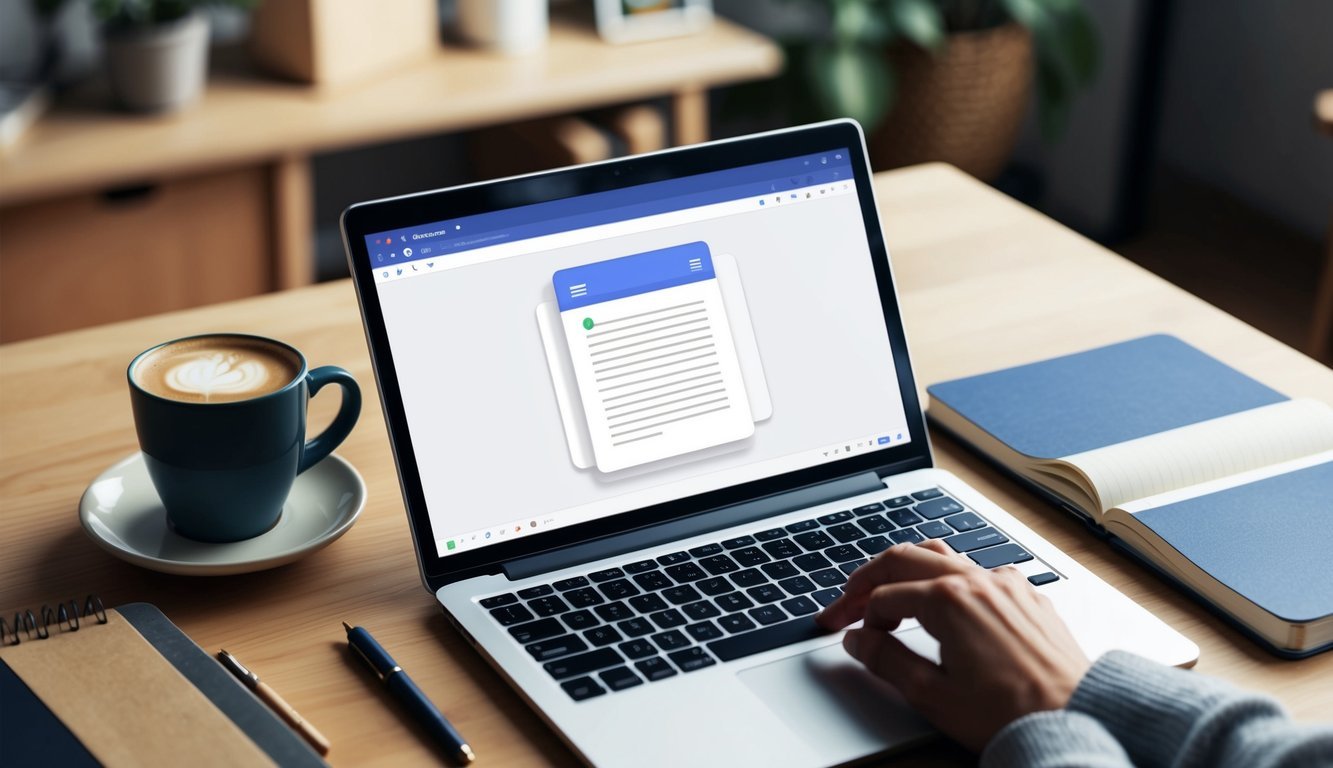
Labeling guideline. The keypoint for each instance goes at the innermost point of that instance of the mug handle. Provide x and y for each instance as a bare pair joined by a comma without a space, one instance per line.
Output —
324,443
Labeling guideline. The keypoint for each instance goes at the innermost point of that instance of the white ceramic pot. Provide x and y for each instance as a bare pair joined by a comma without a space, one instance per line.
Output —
512,27
159,67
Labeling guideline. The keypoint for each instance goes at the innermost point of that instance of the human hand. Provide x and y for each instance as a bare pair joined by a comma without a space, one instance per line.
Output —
1004,651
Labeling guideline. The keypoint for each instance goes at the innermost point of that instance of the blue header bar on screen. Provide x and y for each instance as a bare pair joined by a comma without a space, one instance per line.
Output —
631,275
451,236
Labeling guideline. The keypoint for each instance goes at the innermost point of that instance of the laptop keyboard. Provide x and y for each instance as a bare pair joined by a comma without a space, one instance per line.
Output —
648,620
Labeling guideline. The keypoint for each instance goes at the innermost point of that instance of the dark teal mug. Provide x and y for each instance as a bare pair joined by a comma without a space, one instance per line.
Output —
221,420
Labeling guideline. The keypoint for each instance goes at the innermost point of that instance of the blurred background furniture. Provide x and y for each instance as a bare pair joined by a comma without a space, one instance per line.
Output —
107,216
1321,329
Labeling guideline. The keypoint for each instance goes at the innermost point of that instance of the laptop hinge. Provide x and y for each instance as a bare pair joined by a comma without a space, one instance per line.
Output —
675,530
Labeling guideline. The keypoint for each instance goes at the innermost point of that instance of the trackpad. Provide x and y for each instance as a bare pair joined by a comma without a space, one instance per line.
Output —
840,709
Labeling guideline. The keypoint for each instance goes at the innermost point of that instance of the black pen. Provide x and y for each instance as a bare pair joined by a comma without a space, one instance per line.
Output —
407,693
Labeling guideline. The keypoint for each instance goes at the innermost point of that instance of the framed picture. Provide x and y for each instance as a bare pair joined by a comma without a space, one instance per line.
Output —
624,21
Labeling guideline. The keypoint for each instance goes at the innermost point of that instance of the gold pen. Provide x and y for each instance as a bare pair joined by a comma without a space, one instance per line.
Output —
275,702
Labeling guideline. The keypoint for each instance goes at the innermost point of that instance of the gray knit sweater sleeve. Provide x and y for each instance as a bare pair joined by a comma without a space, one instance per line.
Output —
1128,710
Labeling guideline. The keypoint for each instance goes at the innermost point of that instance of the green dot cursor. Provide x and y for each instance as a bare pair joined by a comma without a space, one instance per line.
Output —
587,323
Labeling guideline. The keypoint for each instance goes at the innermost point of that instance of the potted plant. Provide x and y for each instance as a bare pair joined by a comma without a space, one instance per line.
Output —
949,79
156,51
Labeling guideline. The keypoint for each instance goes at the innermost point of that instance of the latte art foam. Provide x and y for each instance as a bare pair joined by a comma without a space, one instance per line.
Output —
217,374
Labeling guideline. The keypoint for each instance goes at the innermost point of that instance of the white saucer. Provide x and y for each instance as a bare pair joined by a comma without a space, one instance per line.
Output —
123,515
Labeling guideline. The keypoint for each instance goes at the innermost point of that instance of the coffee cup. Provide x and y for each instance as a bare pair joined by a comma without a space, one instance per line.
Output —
221,420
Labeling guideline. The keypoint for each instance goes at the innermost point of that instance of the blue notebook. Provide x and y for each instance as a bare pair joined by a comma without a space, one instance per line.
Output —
1214,479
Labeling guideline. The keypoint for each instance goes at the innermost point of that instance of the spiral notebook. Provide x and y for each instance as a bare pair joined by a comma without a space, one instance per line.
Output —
88,686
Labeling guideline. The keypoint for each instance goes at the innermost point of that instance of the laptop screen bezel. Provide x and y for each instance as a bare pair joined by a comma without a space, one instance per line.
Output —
365,219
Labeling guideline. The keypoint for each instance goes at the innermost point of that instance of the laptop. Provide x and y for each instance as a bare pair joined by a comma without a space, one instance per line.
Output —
648,415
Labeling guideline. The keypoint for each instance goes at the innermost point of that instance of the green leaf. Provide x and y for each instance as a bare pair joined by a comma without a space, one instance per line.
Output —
919,21
855,22
1030,13
1082,45
852,81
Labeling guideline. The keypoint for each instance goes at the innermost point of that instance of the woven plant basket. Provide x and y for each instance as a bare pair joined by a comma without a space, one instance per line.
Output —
963,106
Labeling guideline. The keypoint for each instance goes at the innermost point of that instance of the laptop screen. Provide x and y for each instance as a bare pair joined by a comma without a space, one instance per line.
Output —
571,360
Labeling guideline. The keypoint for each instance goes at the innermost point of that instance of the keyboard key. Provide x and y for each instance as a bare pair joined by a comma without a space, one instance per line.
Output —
706,550
671,640
1039,579
804,525
719,564
842,553
765,593
874,545
715,586
782,549
1001,555
798,585
766,639
929,493
649,603
875,524
616,611
780,570
829,577
770,534
904,517
673,558
570,583
638,649
668,618
584,663
982,537
906,536
580,619
847,568
935,529
548,606
652,580
641,566
700,610
749,577
800,606
681,595
691,659
582,688
618,589
846,532
826,596
899,501
814,540
767,614
511,614
749,556
967,521
498,600
938,508
686,572
704,631
655,668
600,636
733,602
538,591
545,650
812,562
835,518
582,597
736,622
606,575
619,679
536,630
636,627
738,542
868,509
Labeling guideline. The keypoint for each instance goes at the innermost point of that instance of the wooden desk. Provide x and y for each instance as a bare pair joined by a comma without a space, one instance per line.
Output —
984,282
239,161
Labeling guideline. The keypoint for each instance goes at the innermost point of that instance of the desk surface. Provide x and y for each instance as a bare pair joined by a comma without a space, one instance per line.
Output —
984,282
83,144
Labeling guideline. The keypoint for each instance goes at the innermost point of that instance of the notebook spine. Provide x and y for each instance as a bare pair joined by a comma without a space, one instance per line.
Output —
65,617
